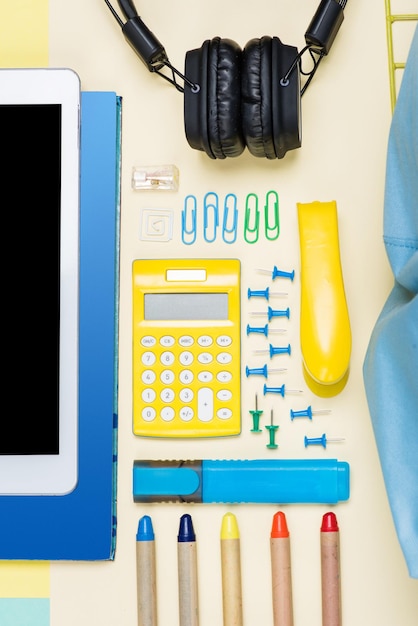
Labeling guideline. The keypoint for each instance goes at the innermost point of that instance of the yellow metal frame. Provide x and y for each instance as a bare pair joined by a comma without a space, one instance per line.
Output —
393,66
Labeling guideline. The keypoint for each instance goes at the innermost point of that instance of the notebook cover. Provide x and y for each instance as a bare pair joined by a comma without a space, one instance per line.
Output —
82,524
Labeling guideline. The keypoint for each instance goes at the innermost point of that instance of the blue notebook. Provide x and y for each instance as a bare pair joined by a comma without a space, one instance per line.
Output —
82,524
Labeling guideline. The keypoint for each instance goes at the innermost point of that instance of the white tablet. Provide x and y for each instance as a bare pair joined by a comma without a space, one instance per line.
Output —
40,172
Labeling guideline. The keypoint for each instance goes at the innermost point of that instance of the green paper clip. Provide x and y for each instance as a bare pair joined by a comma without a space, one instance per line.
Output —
271,207
252,218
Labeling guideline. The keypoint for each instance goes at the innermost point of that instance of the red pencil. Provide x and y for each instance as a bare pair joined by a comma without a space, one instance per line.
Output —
330,571
281,572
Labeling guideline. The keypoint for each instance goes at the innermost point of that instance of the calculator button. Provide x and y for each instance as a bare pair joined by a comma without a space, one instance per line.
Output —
224,358
205,404
186,341
148,341
186,358
167,413
167,377
186,395
224,377
224,414
148,414
224,395
167,395
224,341
148,395
148,358
148,377
167,358
186,377
205,358
186,414
205,377
205,341
167,341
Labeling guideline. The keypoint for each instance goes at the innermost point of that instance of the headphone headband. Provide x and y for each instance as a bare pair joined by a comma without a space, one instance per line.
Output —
236,98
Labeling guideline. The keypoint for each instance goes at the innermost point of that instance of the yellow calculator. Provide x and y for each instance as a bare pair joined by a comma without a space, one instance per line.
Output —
186,347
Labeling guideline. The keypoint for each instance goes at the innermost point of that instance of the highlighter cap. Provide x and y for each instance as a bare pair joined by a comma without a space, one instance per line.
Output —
167,481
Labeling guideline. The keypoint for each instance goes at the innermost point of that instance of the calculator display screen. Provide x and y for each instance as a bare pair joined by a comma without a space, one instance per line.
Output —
186,306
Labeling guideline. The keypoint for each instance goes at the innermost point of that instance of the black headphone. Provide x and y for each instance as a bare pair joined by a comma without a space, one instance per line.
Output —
236,98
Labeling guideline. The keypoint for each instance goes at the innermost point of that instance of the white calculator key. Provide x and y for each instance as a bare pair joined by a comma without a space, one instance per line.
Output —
148,341
205,341
186,377
205,377
167,358
224,414
167,377
148,414
148,358
167,341
167,413
148,377
205,404
186,341
186,395
224,340
167,395
224,377
224,395
186,413
224,358
186,358
148,395
205,358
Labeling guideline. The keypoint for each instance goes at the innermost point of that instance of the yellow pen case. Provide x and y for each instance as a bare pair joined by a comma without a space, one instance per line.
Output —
325,332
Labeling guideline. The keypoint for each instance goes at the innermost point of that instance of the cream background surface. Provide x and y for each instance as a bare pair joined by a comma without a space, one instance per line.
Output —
345,123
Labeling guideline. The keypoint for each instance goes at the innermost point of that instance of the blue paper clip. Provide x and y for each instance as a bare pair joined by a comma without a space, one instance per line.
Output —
188,215
213,208
252,218
271,207
230,204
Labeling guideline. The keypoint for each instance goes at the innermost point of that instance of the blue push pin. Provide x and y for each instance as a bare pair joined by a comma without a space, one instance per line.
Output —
274,350
264,293
279,390
321,441
263,371
277,313
307,413
263,330
276,273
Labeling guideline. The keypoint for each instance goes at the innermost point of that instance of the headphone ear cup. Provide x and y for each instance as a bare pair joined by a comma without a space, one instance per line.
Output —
270,106
212,114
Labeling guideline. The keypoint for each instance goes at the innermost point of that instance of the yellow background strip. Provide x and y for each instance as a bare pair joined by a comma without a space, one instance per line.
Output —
23,33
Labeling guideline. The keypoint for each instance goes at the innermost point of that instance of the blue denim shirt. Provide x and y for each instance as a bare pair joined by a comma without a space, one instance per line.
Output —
390,368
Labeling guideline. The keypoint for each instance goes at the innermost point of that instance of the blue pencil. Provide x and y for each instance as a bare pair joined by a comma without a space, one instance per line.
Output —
146,573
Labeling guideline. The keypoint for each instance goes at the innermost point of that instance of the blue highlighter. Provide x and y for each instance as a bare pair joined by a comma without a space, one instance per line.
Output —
264,481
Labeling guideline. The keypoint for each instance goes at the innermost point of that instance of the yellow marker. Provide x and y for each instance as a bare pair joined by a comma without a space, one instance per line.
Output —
231,571
325,332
